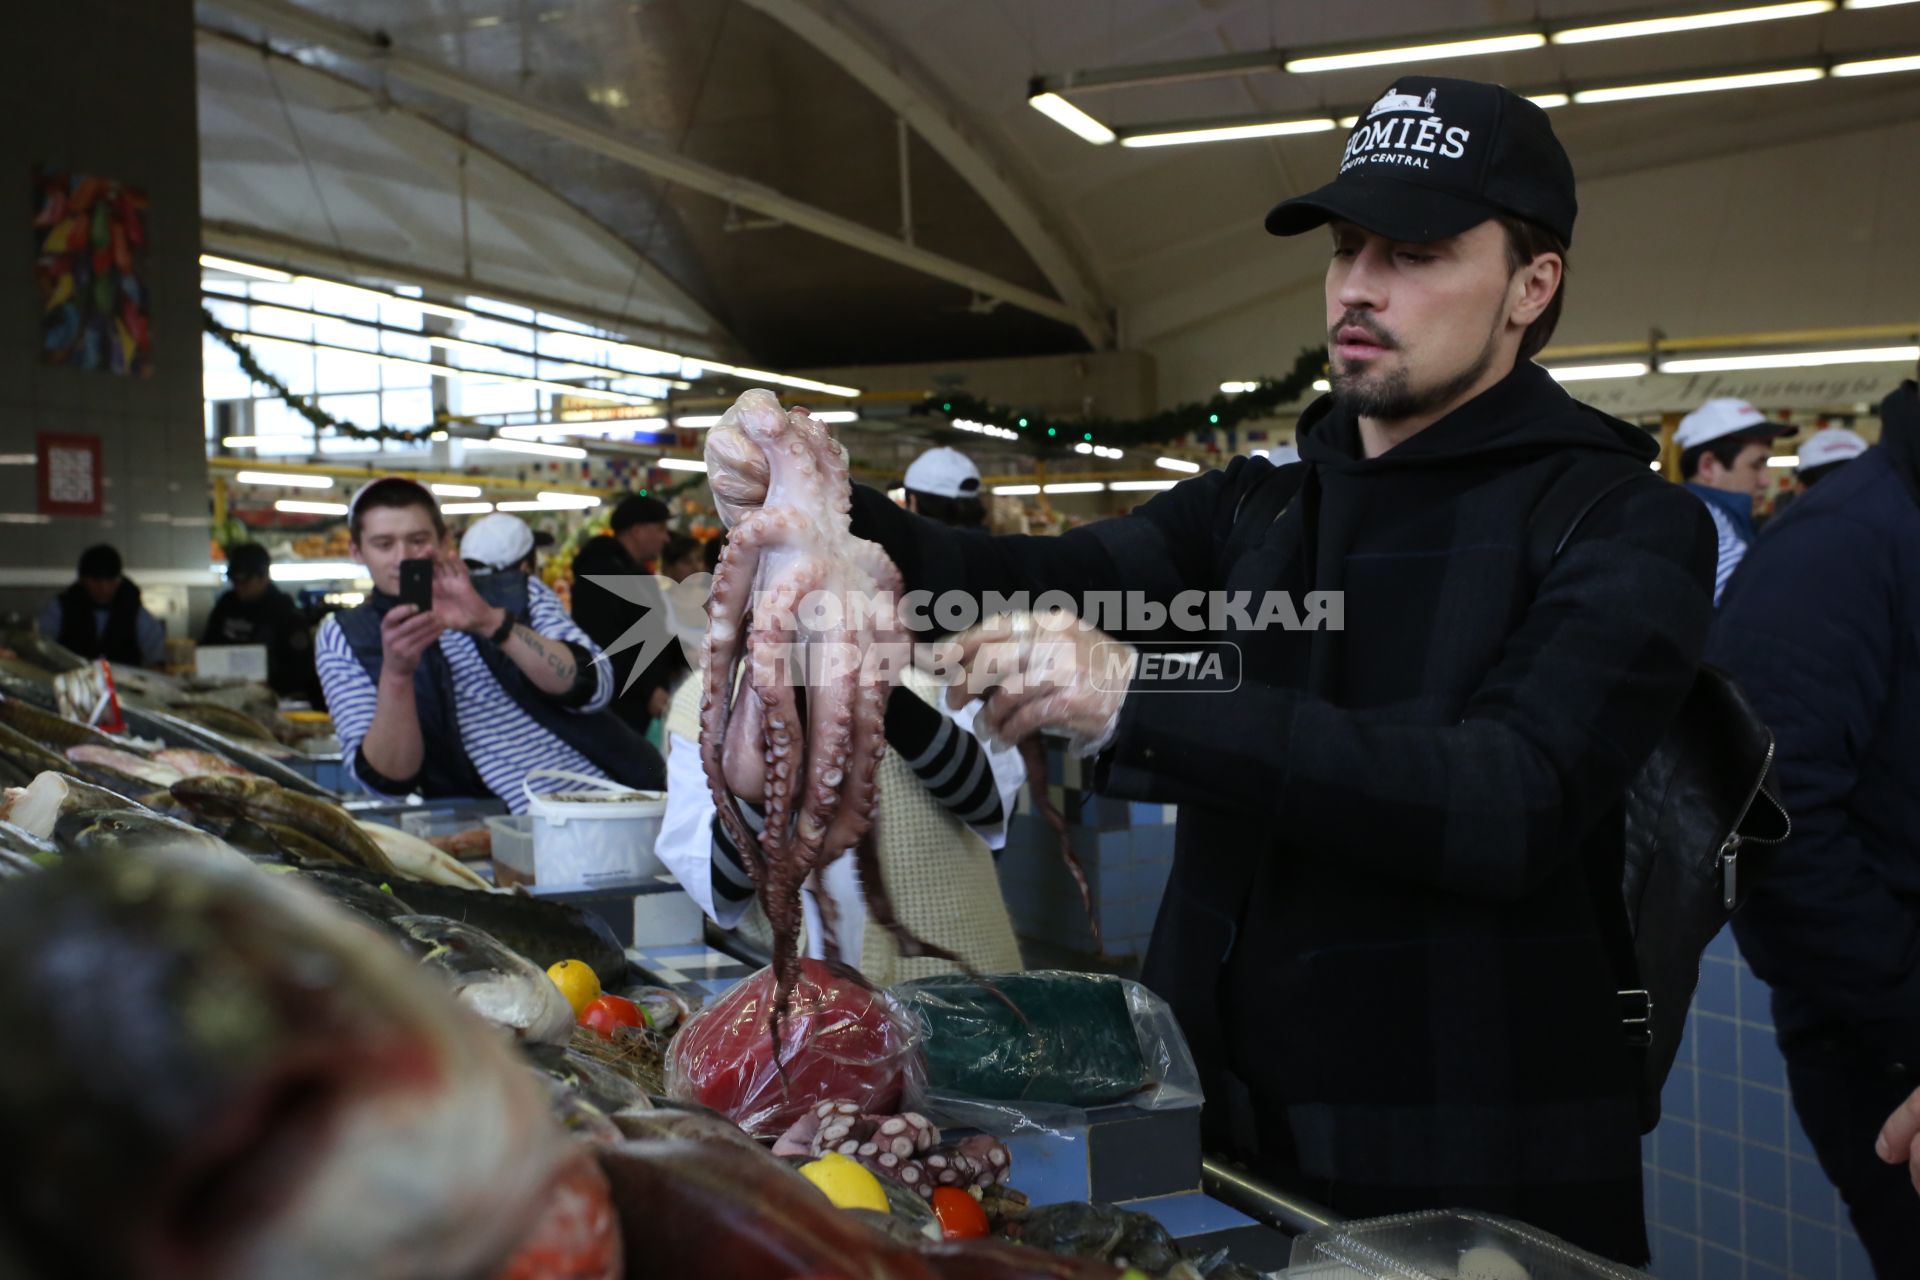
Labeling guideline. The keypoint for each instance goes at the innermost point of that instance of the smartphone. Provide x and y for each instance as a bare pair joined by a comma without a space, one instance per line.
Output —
416,583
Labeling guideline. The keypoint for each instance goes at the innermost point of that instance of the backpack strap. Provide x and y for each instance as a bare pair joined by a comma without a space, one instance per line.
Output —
1260,506
1578,488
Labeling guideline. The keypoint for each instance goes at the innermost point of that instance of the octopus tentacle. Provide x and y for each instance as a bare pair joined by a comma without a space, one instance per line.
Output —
873,886
780,746
729,601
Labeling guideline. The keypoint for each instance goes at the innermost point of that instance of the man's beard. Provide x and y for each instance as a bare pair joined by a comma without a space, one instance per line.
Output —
1391,397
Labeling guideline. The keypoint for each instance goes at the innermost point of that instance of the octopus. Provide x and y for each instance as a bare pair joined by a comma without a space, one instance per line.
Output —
792,708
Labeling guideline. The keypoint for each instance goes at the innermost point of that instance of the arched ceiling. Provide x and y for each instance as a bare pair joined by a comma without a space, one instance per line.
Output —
1168,241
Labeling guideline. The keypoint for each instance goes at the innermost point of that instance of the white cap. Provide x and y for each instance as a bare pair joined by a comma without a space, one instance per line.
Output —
1832,444
944,473
1725,417
497,541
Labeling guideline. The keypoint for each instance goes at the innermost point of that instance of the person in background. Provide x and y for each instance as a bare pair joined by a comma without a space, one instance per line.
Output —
469,696
638,535
100,615
944,485
682,558
254,611
1825,452
1724,447
1819,630
504,546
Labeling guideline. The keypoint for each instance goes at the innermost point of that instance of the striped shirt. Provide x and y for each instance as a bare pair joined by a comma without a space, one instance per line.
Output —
1732,548
503,741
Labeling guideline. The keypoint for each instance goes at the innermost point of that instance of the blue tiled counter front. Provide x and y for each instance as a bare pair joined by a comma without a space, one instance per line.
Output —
1734,1191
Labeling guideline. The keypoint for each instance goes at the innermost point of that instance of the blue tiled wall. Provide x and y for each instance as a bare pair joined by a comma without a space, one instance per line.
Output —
1733,1189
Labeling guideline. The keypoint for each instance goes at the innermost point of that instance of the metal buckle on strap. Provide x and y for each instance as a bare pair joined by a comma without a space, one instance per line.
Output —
1636,1017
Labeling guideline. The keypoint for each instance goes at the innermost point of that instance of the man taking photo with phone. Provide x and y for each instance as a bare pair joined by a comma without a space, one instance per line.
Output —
446,692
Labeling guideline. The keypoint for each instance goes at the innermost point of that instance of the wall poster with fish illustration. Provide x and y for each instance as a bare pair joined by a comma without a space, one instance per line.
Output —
90,246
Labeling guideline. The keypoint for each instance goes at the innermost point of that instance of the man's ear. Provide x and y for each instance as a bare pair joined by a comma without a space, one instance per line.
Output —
1535,285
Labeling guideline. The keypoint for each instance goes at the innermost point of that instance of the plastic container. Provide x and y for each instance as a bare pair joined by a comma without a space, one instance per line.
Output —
596,834
512,848
1446,1245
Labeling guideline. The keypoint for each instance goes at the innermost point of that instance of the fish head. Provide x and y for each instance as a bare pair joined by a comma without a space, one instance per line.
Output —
209,1072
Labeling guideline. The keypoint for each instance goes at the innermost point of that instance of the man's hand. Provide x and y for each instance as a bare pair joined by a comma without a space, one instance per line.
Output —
1900,1137
736,472
406,633
1040,671
456,603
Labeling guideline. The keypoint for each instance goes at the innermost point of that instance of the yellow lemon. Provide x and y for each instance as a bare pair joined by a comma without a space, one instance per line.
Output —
847,1183
577,982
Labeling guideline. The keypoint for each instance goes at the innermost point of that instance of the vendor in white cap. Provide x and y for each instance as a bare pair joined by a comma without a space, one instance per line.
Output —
943,484
502,543
1724,447
1825,452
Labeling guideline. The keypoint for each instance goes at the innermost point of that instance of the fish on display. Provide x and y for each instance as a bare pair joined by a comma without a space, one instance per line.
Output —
115,760
48,655
256,757
419,860
22,851
141,832
41,804
192,763
266,802
216,1075
500,985
50,728
27,756
224,719
380,906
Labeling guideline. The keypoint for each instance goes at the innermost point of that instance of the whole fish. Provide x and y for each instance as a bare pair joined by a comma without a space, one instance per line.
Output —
124,763
150,722
48,655
23,848
23,753
50,728
223,719
264,801
419,860
41,804
258,1086
501,986
96,831
381,906
192,763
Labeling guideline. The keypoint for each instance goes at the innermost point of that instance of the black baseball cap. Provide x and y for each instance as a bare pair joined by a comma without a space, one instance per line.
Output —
248,560
638,510
1434,157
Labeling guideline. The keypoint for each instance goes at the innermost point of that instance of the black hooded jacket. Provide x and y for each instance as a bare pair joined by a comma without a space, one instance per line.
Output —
1396,890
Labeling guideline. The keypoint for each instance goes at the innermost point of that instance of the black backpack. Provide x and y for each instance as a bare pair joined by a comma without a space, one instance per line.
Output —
1702,815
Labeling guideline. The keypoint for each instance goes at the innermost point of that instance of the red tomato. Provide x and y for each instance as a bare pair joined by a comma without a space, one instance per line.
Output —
961,1217
608,1012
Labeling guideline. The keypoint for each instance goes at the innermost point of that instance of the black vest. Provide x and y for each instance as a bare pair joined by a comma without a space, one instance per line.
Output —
120,642
602,737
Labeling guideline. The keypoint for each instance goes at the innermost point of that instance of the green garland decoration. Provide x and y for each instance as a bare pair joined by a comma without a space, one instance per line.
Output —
305,406
1222,411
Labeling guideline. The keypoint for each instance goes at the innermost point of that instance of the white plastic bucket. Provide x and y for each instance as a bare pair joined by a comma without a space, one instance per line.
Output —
595,834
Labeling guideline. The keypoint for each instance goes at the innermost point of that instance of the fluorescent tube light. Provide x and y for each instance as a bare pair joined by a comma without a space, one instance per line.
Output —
1014,490
1134,486
681,464
1069,117
1176,464
1321,384
315,570
571,501
1588,372
1235,388
530,446
1706,84
1794,360
1418,52
1228,133
465,508
455,490
1077,486
1784,460
1691,22
1548,101
245,269
311,508
693,368
1876,66
294,479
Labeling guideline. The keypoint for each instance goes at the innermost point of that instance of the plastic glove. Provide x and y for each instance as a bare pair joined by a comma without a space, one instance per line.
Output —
1899,1141
736,470
1040,671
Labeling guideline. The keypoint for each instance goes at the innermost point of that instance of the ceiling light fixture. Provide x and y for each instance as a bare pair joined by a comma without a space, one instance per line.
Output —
465,508
1228,132
1418,53
1874,4
1015,490
232,267
294,479
455,490
316,571
1704,84
1784,460
298,507
1321,384
681,464
1794,360
573,501
832,416
1589,372
1069,117
1875,66
1076,486
693,367
1548,101
529,446
1176,464
1691,22
1136,486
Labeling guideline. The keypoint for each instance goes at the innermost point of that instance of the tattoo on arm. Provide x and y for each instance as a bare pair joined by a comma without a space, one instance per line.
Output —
560,662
